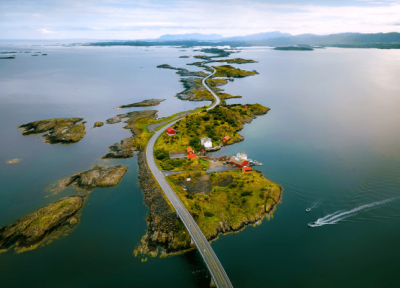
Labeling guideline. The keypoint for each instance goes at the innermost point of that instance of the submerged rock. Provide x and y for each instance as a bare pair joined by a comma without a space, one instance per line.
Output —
98,176
31,230
144,103
124,149
61,130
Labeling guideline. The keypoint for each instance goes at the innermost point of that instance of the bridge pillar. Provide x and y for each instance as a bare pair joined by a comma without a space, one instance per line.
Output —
212,284
192,243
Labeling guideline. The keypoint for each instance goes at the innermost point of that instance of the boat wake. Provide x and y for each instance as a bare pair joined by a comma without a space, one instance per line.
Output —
341,215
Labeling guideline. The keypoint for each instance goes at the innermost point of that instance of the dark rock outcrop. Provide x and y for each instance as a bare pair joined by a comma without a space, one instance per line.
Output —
182,71
164,227
124,149
60,130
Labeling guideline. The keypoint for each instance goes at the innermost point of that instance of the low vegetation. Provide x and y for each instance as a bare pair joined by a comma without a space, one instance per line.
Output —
230,71
237,61
228,197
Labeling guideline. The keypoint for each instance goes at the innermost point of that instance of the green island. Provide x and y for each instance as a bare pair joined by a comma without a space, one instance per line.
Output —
215,124
294,48
230,71
236,61
223,202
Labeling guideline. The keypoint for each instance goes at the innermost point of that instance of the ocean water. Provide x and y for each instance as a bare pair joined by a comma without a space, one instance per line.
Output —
331,139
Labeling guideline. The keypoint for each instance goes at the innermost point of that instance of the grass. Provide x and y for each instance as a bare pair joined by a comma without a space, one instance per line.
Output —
245,197
230,71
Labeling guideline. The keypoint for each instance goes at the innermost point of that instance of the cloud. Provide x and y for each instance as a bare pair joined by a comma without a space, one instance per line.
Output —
44,31
128,19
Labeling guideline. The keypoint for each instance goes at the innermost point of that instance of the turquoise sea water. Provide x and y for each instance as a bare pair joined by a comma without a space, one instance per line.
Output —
331,139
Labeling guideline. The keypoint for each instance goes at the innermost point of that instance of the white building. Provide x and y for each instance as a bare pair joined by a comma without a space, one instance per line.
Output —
242,156
206,142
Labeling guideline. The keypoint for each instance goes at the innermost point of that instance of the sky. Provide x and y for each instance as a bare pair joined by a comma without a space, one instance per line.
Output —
127,19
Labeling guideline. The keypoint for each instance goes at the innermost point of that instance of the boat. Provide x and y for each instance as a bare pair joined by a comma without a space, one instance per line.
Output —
308,210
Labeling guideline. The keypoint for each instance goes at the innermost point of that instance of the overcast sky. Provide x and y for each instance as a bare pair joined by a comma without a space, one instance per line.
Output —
127,19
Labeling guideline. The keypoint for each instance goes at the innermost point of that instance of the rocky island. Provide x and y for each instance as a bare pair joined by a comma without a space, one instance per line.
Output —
52,221
294,48
144,103
60,130
34,229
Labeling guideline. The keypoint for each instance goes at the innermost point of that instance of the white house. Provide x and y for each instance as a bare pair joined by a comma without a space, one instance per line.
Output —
206,142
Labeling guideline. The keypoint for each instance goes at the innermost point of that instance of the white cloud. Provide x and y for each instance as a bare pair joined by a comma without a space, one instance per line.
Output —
45,31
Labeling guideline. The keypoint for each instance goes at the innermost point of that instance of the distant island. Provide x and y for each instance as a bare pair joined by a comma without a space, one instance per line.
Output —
144,103
294,48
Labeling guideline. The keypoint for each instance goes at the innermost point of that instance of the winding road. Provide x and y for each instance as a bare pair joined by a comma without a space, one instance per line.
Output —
214,266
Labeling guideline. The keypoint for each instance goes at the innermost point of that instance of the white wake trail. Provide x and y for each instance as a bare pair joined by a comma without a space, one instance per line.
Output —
341,215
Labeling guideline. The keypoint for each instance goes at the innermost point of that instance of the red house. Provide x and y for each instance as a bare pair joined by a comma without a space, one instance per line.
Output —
246,169
189,150
171,131
226,139
191,156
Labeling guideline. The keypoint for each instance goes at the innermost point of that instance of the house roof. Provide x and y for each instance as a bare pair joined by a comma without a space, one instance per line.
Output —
205,139
247,168
169,129
238,161
189,149
192,156
227,138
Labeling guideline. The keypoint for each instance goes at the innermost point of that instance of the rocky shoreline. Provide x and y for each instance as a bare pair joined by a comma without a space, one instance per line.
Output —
164,228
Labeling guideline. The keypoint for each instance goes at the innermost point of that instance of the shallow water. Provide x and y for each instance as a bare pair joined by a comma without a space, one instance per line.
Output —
331,140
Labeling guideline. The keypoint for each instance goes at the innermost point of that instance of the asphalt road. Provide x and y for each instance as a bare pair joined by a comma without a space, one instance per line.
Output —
214,266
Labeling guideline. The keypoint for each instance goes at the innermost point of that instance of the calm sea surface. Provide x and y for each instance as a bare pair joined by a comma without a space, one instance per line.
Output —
331,139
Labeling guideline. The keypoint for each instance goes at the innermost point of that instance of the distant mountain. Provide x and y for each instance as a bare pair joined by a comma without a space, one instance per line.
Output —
191,36
258,36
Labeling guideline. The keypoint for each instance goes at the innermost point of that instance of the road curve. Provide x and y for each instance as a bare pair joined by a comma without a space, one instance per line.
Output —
214,266
217,101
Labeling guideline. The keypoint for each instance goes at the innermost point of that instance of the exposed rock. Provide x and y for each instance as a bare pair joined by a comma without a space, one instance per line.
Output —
184,56
133,116
30,231
61,130
183,71
124,149
144,103
194,90
98,124
113,120
98,176
164,227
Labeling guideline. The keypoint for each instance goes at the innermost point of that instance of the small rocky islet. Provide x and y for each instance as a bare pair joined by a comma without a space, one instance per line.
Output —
144,103
60,130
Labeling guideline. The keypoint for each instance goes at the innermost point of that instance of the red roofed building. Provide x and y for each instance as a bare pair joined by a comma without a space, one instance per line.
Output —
247,169
171,131
226,139
191,156
189,150
239,162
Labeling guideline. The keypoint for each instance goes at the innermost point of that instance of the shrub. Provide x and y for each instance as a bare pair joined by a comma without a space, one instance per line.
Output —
246,193
206,117
208,214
